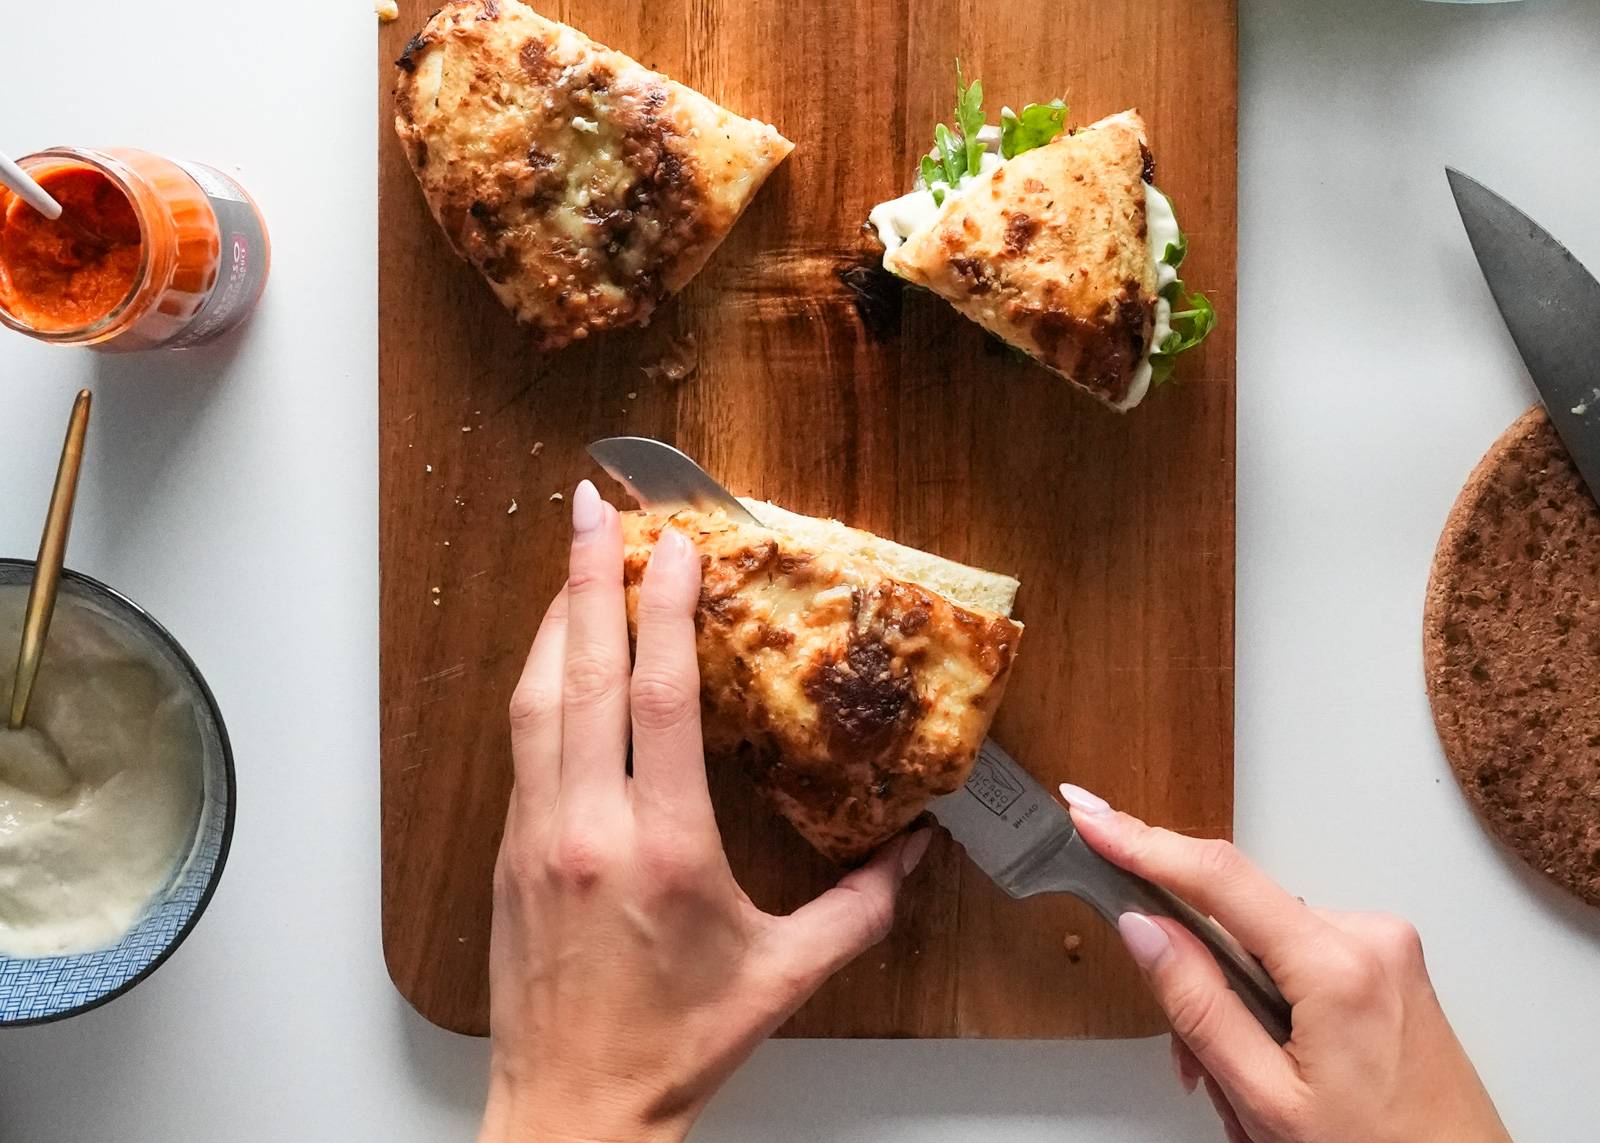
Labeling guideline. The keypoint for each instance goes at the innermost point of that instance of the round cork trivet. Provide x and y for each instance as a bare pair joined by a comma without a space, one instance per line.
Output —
1511,646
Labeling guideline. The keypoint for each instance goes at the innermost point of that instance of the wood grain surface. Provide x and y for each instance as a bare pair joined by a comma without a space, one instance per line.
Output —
910,423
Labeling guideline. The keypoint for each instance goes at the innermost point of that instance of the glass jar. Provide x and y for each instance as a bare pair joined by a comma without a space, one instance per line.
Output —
149,253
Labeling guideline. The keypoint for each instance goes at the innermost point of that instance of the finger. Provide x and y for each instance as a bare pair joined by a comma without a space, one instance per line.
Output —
536,712
820,938
669,768
1231,1127
1218,880
1394,939
594,700
1190,1070
1205,1013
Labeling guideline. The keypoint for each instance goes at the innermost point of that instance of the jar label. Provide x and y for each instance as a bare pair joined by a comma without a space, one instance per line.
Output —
242,274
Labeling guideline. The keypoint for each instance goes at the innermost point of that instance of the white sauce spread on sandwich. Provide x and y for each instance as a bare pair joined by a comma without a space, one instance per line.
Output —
1161,225
899,218
100,793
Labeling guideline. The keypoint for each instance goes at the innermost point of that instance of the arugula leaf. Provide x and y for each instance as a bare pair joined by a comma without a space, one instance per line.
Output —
1190,326
969,119
1037,125
947,146
930,170
1177,251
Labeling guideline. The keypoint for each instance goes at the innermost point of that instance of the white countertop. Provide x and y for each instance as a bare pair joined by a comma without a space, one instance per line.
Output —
233,493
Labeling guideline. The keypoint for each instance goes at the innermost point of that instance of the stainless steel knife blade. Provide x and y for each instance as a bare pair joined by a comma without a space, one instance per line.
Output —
1009,824
661,478
1551,305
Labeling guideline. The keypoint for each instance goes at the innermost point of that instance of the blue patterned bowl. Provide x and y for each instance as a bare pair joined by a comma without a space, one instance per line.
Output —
36,990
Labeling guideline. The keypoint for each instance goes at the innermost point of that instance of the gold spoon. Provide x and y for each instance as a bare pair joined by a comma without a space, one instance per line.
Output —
47,570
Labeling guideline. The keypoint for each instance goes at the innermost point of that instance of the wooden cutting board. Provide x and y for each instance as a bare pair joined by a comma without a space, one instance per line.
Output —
895,415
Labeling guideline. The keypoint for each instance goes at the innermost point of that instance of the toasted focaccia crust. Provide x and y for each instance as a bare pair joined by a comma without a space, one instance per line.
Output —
852,696
584,186
1051,252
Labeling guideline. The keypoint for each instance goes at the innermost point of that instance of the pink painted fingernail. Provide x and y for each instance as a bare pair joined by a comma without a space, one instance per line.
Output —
1147,941
915,848
587,511
1080,799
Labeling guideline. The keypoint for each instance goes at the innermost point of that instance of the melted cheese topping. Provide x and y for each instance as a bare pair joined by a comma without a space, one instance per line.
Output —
854,696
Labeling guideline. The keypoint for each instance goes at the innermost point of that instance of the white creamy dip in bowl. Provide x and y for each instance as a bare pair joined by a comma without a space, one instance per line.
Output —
116,803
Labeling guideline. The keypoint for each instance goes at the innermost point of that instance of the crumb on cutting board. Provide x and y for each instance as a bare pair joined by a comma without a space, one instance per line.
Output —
556,496
513,507
1071,943
677,363
538,447
387,10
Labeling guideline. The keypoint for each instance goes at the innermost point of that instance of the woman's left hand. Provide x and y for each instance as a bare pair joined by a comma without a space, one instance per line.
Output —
629,973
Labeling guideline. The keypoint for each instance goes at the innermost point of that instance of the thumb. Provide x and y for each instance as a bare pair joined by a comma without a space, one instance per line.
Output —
823,936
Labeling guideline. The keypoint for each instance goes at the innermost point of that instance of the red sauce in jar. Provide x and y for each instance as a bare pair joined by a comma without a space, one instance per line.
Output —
74,271
148,253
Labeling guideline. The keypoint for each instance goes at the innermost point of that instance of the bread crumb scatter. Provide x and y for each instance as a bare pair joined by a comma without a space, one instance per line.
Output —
538,447
427,468
387,10
678,363
511,509
466,428
1071,943
556,496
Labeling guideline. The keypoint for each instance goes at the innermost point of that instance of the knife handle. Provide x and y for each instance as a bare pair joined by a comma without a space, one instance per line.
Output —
1113,891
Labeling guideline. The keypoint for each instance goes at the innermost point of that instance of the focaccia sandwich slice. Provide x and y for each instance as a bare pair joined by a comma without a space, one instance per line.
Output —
854,678
1054,240
582,185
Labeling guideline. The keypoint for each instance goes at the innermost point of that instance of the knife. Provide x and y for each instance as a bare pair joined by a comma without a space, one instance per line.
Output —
1011,828
1551,305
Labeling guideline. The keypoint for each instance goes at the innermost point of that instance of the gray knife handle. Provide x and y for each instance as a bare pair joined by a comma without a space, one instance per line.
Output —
1113,891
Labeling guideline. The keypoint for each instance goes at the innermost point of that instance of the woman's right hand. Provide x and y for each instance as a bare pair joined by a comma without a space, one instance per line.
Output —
1372,1057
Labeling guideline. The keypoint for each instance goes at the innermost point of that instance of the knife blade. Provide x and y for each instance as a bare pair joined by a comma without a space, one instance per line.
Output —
661,477
1009,825
1551,305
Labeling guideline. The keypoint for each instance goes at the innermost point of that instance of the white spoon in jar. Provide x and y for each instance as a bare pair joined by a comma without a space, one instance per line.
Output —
25,187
